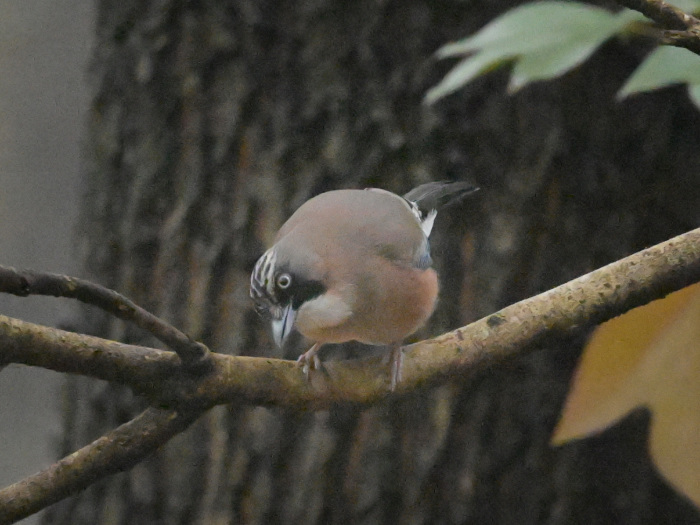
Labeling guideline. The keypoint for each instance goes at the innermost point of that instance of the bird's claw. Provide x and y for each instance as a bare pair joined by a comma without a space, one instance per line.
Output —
396,357
309,361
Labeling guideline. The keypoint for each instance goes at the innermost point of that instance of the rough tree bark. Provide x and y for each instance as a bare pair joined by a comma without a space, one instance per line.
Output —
211,121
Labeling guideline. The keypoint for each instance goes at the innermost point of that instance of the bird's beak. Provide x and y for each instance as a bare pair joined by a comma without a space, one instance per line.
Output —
282,327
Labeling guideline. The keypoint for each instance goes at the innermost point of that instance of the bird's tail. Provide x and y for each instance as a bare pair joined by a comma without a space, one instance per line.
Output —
427,199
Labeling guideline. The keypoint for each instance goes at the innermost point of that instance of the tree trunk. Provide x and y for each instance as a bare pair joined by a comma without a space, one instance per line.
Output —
212,121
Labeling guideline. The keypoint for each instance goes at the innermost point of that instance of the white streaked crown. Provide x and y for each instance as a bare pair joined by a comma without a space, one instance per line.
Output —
262,282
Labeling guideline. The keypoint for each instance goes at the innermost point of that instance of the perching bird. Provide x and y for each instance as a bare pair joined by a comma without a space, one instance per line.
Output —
354,265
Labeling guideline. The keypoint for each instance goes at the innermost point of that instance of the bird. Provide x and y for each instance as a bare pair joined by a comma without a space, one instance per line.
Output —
354,265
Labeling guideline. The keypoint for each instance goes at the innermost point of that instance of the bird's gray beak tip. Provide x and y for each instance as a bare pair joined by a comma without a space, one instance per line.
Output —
282,327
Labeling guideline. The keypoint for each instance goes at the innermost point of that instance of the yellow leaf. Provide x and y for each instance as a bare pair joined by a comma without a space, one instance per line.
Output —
649,357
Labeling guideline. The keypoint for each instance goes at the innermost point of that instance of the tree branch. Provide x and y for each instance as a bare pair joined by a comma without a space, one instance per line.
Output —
689,39
582,302
678,27
664,14
25,283
565,310
119,450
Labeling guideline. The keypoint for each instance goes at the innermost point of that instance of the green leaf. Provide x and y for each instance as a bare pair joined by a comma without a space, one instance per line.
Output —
545,39
549,63
664,67
465,71
694,92
689,6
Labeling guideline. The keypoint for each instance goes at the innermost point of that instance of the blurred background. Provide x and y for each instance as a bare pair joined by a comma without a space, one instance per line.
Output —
44,54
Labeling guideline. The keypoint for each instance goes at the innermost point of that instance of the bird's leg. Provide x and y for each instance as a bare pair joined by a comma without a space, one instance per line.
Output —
396,358
309,360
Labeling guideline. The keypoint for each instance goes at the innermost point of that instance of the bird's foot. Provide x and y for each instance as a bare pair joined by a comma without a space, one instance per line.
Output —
396,357
309,361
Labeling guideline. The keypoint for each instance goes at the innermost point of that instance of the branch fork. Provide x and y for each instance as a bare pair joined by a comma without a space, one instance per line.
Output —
179,396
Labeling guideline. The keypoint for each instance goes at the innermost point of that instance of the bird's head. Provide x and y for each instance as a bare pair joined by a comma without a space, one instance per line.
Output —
279,286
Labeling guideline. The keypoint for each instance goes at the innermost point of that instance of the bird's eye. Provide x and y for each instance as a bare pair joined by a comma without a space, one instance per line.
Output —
284,281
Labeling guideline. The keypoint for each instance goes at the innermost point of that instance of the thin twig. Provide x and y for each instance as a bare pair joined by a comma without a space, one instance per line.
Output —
677,28
689,39
664,14
23,283
119,450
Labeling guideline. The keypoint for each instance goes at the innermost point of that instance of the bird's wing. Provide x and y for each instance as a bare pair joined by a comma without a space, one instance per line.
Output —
396,232
372,223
